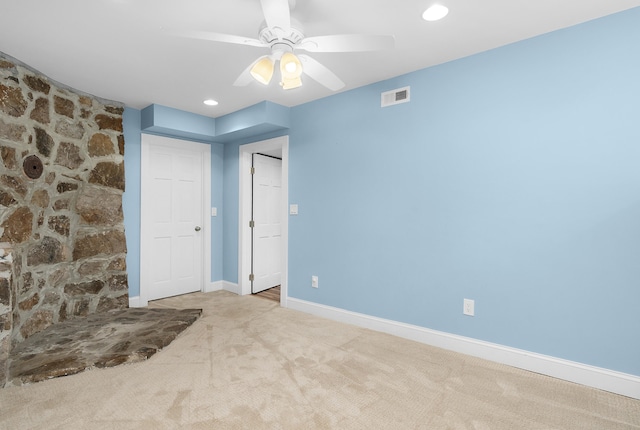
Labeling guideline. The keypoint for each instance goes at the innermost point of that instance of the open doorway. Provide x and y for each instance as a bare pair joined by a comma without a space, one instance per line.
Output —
274,148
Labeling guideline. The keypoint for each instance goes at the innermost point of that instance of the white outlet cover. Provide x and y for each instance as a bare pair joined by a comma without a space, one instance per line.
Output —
314,281
468,307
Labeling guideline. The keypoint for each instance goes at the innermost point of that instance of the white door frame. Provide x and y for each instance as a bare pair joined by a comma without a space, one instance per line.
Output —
244,231
148,140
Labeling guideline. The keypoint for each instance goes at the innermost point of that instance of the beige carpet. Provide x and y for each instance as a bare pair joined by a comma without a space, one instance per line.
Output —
249,364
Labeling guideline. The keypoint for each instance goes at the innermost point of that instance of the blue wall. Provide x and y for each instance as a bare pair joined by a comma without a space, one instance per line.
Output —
511,178
231,211
217,222
131,196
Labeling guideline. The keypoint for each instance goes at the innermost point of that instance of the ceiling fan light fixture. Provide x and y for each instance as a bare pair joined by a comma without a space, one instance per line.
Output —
435,12
290,66
262,71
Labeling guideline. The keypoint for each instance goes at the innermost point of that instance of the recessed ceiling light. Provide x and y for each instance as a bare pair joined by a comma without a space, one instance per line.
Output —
435,12
211,102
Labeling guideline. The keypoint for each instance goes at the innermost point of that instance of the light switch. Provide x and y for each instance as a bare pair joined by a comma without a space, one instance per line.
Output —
214,211
293,209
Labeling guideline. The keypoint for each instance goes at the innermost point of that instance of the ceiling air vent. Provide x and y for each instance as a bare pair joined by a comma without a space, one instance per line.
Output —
394,97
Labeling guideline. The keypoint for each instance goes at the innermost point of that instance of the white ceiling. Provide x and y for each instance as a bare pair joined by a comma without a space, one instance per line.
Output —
118,50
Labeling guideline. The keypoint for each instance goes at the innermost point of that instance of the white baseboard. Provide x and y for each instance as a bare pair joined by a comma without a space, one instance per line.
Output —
134,302
213,286
596,377
231,287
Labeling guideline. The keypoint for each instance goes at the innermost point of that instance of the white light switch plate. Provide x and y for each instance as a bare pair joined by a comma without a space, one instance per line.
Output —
293,209
214,211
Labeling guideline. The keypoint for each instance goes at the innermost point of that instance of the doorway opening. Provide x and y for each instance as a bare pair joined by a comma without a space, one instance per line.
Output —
266,222
272,148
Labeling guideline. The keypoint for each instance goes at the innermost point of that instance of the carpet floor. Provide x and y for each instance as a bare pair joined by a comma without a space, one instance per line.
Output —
247,363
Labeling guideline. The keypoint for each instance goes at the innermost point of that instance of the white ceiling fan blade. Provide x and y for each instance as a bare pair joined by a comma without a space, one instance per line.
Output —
320,73
218,37
346,43
245,77
276,13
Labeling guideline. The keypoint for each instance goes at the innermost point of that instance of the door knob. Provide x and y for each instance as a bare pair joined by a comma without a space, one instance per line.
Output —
198,228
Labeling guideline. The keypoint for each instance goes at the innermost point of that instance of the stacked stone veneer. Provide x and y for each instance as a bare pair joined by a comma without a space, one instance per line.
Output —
62,242
5,311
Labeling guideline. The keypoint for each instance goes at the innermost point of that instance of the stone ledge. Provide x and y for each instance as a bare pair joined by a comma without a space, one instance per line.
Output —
100,340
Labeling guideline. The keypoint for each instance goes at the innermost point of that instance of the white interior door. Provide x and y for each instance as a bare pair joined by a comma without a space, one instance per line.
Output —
278,146
267,230
172,228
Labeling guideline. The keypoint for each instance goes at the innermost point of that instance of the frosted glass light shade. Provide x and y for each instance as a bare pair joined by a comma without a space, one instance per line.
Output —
262,71
290,66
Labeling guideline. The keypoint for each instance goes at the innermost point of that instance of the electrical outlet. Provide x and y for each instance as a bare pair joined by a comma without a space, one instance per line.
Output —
314,281
468,307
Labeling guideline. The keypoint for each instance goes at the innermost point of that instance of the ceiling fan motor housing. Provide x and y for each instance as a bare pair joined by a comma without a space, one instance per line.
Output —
281,39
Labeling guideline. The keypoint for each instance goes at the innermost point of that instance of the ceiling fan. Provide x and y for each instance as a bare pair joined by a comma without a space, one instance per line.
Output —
283,35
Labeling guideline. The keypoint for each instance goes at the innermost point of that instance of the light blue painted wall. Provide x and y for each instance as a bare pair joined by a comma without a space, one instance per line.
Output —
249,123
231,211
131,197
167,121
217,222
512,178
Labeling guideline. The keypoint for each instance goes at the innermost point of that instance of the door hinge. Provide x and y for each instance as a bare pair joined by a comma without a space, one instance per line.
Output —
253,170
251,277
252,224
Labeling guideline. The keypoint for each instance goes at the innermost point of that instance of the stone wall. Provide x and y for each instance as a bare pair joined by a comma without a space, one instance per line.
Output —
61,220
5,309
